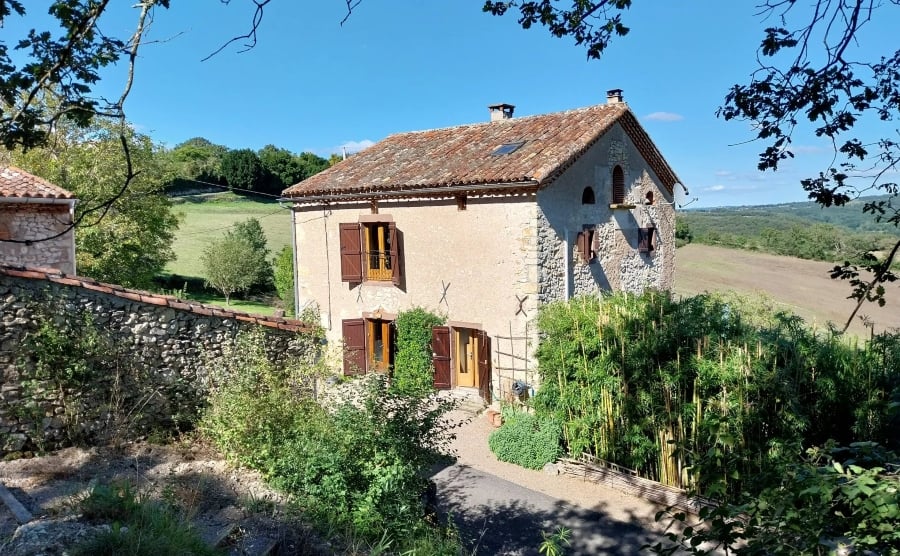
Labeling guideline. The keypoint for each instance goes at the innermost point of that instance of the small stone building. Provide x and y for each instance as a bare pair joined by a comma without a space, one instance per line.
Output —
483,223
35,222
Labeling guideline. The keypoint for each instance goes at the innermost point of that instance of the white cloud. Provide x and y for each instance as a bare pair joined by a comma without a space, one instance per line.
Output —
717,187
663,117
355,146
724,173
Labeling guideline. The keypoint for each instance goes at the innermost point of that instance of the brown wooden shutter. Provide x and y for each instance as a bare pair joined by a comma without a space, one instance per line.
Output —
396,240
645,239
584,242
354,333
351,253
618,186
440,350
484,366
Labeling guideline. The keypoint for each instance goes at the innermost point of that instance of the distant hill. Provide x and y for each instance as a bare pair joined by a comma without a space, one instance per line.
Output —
804,230
849,216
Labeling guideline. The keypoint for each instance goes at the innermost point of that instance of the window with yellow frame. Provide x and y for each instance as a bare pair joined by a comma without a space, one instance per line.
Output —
378,251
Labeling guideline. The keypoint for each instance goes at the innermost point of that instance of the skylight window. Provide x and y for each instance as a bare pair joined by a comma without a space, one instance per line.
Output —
507,148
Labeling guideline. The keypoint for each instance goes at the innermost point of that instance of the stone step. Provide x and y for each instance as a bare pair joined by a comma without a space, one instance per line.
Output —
18,510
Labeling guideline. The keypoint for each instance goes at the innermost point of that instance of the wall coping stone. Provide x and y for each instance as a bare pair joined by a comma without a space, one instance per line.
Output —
56,276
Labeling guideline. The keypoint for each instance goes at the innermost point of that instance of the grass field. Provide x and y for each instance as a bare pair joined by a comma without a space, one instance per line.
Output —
209,217
799,286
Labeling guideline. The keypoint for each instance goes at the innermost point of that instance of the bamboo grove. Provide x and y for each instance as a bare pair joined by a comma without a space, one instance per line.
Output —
708,390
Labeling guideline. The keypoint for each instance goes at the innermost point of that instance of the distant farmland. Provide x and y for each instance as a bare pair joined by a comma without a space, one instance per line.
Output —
799,286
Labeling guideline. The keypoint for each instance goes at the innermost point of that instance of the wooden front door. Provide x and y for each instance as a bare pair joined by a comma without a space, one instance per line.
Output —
466,357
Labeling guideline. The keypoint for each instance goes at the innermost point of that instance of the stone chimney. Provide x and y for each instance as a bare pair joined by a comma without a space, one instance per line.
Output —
614,96
501,111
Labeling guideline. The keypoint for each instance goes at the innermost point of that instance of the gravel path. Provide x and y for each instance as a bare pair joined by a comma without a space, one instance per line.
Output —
472,450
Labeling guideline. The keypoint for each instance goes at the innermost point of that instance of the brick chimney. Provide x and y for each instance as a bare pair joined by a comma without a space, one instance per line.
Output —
614,96
501,111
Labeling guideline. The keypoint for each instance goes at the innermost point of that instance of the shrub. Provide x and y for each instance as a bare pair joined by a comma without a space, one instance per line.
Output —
651,383
413,370
360,468
834,496
526,440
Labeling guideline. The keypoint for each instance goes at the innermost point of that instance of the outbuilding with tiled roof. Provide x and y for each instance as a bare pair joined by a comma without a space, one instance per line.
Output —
36,219
485,223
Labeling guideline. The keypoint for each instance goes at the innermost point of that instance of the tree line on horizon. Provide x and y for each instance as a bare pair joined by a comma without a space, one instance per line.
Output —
269,170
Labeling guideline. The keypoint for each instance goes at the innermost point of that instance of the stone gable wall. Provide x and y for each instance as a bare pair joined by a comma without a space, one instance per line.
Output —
153,382
32,222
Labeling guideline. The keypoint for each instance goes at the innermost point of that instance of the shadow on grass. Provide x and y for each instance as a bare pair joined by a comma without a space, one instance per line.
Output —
194,288
495,516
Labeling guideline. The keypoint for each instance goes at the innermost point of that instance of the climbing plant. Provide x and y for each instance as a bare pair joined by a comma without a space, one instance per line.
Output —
413,370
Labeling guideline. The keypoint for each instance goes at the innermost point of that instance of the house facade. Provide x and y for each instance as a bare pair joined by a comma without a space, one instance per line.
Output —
35,222
482,223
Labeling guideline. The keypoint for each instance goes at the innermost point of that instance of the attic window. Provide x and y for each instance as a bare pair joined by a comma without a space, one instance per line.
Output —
507,148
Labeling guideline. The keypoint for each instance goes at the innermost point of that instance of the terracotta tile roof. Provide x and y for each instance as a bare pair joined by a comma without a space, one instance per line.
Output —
15,182
459,157
54,275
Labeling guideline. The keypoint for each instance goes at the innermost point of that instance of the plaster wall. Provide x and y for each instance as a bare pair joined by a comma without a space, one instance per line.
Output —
618,266
32,222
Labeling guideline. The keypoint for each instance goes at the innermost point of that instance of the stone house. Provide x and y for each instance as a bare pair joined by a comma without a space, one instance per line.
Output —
483,223
32,210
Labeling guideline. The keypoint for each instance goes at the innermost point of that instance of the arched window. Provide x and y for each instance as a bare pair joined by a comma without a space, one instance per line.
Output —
587,196
618,186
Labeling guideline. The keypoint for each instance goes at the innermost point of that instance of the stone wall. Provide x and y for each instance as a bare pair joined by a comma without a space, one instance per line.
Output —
618,264
34,221
141,358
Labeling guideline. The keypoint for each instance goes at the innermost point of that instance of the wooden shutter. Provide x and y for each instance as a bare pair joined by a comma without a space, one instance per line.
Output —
351,253
484,365
584,243
645,239
440,350
354,333
618,186
396,240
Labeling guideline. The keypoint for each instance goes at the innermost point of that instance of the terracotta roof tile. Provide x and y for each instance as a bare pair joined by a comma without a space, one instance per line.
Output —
15,182
461,156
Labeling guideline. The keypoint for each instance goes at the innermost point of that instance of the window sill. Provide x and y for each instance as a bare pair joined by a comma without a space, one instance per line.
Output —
368,282
622,206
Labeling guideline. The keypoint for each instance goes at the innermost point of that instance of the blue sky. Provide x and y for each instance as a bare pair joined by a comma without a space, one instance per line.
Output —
311,84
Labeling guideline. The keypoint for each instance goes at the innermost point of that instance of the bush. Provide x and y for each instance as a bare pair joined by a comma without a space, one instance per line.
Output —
526,440
834,496
361,468
651,383
413,370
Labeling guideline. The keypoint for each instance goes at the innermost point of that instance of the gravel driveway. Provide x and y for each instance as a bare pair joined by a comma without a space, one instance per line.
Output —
501,508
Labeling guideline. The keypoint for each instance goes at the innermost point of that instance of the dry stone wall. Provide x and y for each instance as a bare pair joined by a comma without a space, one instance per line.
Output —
138,366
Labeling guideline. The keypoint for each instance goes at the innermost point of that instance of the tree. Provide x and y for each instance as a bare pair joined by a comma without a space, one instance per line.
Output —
242,169
251,232
284,278
813,75
198,159
127,242
231,265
